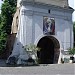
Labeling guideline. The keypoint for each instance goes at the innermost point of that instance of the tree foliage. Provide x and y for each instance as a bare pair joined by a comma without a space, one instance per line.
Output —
74,27
72,51
74,32
7,10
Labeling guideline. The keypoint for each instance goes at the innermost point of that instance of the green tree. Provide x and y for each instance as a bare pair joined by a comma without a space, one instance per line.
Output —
74,27
7,10
74,32
0,18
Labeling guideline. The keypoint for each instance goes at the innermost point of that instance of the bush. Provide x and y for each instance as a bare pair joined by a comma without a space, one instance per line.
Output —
72,51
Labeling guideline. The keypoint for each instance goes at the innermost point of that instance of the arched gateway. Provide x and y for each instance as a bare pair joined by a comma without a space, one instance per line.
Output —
50,50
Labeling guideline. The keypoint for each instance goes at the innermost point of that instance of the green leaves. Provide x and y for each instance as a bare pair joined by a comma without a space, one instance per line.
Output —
32,47
8,8
74,27
72,51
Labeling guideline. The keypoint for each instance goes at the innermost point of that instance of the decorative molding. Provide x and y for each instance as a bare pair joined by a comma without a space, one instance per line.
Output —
31,13
46,6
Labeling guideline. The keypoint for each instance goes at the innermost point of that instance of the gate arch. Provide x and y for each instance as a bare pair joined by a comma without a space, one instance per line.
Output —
48,54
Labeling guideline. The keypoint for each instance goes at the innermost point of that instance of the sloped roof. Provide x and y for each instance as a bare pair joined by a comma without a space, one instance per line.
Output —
61,3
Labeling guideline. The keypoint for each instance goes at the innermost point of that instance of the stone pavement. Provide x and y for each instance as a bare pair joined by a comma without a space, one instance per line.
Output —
2,63
50,69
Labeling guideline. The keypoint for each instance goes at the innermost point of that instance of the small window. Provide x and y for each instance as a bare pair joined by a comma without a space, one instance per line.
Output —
48,11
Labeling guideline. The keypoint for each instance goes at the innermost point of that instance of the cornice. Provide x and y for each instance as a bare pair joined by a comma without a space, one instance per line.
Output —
47,6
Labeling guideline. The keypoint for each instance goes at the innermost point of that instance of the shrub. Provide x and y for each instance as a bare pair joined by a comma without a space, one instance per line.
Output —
72,51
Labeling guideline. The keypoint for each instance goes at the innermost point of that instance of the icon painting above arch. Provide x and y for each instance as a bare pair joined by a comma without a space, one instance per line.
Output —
48,26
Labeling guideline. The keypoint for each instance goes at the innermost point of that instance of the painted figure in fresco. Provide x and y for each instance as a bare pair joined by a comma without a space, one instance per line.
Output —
48,26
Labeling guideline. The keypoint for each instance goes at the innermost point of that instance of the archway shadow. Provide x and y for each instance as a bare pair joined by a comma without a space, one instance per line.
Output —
49,52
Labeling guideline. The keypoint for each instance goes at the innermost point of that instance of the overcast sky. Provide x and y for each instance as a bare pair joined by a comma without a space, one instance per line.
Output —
0,4
72,4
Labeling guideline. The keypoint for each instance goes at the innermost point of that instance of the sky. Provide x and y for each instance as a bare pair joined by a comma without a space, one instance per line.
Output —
0,4
70,2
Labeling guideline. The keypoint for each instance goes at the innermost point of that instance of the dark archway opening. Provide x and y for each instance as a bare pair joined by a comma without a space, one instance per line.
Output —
46,54
50,50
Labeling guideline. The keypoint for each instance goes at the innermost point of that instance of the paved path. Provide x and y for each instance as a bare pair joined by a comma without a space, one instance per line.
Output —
2,63
52,69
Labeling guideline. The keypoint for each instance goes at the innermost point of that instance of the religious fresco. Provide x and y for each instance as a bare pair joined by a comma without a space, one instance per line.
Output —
48,26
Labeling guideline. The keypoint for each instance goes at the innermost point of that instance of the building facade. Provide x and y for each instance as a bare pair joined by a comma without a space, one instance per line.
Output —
47,24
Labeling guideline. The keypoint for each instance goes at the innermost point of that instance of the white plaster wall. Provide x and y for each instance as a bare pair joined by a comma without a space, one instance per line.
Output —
38,22
29,29
36,9
62,25
54,13
71,37
62,31
59,29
